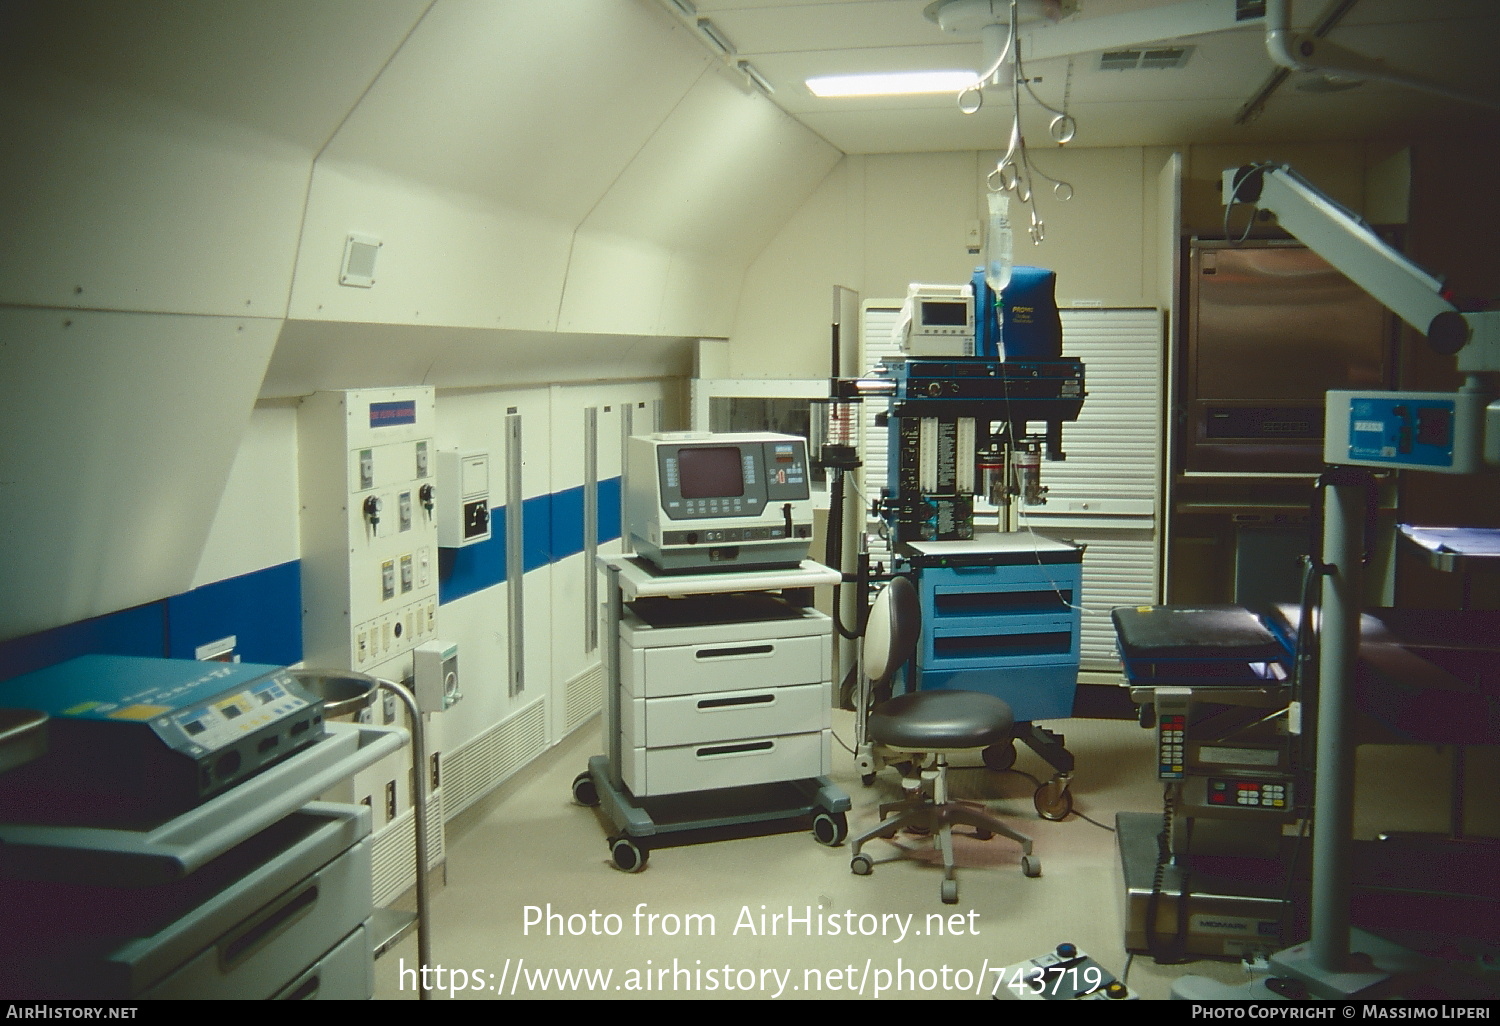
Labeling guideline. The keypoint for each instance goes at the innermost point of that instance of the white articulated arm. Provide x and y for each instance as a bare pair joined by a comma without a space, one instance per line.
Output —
1350,245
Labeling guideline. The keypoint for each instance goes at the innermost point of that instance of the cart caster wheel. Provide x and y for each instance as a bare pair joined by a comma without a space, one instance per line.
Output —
629,857
981,834
585,791
861,865
830,828
1000,757
1053,801
950,891
1031,866
867,779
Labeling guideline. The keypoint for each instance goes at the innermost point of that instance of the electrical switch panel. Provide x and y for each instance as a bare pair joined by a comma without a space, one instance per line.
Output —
369,527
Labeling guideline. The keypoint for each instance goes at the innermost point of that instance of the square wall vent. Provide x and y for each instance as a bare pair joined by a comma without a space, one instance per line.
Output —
360,252
1144,58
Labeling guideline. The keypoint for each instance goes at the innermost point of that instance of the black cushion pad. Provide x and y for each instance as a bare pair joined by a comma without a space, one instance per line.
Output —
939,719
1193,632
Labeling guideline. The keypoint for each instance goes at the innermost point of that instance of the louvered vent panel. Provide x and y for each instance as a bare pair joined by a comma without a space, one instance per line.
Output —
1114,448
877,342
393,854
474,770
583,696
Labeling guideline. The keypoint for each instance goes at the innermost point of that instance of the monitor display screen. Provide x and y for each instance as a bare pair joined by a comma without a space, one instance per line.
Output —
945,313
710,472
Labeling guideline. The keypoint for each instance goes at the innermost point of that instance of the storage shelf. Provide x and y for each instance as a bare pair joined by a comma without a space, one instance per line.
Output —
173,849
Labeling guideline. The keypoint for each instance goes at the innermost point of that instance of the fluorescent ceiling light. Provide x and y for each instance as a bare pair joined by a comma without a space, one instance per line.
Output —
896,83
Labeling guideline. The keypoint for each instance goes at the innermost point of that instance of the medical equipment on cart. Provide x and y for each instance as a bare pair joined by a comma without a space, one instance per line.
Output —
137,736
1211,874
718,711
698,502
1000,611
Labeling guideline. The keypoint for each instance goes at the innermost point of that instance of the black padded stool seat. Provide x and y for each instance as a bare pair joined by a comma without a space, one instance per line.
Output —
929,721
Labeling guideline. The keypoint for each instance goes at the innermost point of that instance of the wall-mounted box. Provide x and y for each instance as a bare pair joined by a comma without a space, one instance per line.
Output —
463,512
435,675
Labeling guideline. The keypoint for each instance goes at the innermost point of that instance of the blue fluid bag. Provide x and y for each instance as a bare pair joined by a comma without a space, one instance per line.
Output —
1031,328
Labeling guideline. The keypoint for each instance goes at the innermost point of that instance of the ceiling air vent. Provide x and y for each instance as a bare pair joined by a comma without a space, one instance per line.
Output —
1156,57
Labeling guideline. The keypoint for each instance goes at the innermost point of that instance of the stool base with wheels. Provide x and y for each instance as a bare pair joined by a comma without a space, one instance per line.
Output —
932,726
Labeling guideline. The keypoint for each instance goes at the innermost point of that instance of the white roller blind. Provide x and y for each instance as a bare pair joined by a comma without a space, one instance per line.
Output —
1114,447
1106,494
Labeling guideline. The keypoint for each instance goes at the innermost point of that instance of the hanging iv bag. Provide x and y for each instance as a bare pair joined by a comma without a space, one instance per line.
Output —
997,248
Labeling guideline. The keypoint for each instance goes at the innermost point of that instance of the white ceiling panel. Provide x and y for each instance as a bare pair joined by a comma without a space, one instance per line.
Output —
871,24
720,176
1448,41
287,68
510,102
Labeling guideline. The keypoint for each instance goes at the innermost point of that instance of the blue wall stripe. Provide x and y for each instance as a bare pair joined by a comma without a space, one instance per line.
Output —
609,510
554,531
567,522
536,538
139,631
474,567
263,610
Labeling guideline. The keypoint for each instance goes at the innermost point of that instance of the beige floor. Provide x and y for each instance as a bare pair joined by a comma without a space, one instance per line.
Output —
529,849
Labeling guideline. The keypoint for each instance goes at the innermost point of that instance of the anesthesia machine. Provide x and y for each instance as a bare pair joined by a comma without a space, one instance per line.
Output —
973,407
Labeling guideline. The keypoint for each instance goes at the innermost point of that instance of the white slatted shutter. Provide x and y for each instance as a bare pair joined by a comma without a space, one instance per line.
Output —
1106,494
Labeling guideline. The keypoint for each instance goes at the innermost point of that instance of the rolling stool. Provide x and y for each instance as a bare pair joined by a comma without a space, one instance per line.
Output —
929,725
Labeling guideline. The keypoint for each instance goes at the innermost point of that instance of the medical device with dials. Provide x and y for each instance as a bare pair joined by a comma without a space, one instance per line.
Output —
702,502
134,736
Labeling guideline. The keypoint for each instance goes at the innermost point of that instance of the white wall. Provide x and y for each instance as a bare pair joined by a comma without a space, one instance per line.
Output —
559,199
878,222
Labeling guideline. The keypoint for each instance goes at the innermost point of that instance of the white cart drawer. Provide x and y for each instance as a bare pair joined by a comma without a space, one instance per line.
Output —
657,771
729,666
276,943
725,715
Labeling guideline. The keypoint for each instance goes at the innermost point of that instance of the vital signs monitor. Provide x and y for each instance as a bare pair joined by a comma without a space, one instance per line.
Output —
698,502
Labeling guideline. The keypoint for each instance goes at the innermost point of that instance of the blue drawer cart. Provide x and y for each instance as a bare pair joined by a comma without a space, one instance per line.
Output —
1001,615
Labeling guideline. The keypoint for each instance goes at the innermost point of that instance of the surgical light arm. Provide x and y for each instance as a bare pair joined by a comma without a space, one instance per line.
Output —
1365,429
1352,246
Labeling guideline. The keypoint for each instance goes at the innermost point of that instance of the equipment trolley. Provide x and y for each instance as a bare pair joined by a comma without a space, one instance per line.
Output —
719,708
